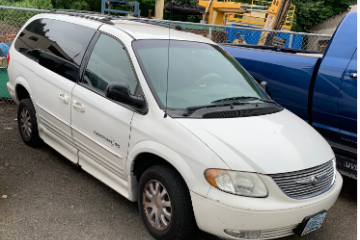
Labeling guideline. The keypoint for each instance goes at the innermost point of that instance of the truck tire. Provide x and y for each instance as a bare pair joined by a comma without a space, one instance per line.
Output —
165,204
27,123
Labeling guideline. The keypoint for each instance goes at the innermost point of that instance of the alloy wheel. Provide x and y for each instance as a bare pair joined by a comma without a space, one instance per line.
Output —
157,205
25,123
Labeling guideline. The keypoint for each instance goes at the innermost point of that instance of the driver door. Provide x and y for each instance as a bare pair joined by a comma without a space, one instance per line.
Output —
101,127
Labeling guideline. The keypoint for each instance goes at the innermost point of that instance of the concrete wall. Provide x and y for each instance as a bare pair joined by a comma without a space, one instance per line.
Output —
329,25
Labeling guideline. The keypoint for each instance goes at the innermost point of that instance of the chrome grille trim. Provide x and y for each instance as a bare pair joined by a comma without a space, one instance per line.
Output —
287,181
278,232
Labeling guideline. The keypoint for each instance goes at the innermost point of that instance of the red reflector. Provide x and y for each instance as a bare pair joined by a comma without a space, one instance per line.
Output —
8,60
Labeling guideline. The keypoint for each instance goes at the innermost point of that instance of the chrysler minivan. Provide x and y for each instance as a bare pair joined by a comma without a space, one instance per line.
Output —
170,120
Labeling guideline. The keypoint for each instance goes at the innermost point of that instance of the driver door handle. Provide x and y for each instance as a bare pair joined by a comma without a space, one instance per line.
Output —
78,106
353,75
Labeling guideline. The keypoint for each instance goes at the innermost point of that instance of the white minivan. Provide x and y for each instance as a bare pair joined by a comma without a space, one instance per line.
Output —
170,120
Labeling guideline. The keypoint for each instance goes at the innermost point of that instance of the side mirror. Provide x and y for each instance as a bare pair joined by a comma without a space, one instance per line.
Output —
264,86
120,92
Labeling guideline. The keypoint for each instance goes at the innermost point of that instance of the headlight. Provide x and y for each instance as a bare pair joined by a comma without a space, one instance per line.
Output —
239,183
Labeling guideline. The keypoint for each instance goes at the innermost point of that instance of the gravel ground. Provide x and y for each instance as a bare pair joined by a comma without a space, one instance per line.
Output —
47,197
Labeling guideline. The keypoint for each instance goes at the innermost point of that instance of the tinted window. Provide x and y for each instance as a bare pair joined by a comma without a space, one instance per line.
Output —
108,63
63,42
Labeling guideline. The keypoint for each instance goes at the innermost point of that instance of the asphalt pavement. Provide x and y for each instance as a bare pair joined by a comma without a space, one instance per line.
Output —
45,196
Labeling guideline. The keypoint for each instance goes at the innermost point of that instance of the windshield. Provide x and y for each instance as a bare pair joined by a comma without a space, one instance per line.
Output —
199,74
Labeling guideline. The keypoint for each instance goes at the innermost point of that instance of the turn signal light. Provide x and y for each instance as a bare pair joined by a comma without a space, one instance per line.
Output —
210,176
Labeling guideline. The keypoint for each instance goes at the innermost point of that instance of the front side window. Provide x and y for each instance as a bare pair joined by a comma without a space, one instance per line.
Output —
108,63
199,74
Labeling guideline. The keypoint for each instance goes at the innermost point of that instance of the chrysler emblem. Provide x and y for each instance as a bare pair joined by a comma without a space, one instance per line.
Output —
312,180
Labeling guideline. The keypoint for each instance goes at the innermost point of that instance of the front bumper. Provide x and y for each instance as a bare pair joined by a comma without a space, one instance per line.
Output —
275,215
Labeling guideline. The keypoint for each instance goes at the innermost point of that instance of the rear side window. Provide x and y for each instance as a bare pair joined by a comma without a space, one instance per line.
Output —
57,45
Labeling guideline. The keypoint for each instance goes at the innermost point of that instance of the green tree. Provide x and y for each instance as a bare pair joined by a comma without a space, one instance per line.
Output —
309,12
71,4
38,4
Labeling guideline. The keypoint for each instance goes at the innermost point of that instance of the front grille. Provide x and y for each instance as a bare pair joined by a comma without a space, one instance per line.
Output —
301,184
278,232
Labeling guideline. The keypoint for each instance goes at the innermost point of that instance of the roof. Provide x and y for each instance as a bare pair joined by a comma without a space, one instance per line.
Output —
140,30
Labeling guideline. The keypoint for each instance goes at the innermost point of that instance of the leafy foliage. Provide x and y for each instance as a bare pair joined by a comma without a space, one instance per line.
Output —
38,4
309,12
69,4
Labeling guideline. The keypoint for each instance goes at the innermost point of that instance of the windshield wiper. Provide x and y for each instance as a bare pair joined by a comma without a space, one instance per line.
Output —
246,98
187,110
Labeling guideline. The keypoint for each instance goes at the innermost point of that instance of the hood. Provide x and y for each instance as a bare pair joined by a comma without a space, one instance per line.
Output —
268,144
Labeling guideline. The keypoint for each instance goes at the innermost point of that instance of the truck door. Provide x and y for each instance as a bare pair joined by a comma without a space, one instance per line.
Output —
347,102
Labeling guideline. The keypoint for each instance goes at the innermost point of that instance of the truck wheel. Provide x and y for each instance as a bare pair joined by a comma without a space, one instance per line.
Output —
27,123
165,204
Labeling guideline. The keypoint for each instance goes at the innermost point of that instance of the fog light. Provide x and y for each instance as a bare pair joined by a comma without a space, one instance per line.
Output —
243,234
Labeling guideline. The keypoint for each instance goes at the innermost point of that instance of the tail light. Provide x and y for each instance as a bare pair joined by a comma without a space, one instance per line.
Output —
8,59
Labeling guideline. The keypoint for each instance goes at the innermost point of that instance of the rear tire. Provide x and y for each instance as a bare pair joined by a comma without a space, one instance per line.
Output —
27,123
165,204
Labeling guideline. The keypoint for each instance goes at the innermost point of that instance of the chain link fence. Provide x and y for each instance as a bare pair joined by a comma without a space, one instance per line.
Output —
243,35
13,18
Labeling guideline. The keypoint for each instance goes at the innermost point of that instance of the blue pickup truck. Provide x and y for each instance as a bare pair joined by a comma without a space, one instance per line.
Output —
319,88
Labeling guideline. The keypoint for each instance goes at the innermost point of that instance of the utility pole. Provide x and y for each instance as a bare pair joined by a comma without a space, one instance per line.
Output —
159,9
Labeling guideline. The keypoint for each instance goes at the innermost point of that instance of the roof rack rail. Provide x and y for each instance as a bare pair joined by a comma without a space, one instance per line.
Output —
106,18
85,14
165,24
83,11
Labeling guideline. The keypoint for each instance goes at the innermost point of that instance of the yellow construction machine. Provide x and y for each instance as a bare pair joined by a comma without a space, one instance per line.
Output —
256,15
272,15
218,13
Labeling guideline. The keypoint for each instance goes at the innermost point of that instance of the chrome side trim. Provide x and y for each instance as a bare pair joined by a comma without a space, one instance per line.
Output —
52,128
78,130
69,139
105,164
96,157
55,115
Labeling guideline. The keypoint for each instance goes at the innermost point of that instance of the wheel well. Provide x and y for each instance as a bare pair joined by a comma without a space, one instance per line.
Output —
21,93
146,160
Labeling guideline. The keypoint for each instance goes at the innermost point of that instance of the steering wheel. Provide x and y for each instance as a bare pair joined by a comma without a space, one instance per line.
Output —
209,78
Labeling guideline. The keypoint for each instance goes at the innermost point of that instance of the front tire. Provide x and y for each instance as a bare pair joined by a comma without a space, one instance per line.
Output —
165,204
27,123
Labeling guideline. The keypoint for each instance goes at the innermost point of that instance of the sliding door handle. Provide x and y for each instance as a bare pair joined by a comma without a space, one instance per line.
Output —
64,98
